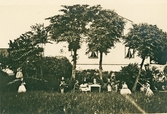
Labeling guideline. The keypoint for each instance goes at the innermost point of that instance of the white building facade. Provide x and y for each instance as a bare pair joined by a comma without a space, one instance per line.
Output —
113,61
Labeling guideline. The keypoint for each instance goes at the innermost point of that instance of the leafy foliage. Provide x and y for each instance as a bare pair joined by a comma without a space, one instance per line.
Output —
160,57
88,74
3,80
28,47
55,68
69,27
128,74
4,61
105,30
147,40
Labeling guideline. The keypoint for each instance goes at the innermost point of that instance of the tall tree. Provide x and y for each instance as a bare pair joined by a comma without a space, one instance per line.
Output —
69,27
147,40
106,29
40,35
27,47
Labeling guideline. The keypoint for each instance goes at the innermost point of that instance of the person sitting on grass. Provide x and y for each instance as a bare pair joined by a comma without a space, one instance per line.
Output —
22,88
84,87
125,90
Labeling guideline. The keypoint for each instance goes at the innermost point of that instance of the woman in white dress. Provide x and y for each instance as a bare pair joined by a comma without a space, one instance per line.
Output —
22,88
125,90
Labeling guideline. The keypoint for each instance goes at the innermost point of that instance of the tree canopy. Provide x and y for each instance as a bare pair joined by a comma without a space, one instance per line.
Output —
70,27
27,47
105,30
147,40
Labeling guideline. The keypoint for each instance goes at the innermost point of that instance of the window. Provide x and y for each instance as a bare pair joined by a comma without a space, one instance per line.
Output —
129,53
61,51
93,55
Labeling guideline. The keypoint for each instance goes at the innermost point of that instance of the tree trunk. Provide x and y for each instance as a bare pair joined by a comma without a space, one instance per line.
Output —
74,64
100,65
138,76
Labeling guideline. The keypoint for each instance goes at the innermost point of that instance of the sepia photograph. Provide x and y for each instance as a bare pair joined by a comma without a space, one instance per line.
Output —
83,57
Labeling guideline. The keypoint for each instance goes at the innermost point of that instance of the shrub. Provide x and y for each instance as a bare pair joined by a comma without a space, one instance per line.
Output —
3,79
128,74
56,67
157,78
90,74
51,68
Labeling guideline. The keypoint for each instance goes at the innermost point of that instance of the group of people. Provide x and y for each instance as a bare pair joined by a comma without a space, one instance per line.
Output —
124,90
145,88
112,85
84,87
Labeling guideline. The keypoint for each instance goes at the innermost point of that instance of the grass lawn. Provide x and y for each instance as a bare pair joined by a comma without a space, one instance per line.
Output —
42,102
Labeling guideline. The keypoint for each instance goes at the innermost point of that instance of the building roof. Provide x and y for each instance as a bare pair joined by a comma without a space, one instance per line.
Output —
4,51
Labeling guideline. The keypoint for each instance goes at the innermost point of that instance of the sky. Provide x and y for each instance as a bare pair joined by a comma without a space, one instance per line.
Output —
16,16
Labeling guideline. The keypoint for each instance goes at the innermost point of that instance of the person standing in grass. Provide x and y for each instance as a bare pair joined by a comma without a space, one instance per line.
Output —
19,74
76,86
63,85
108,85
